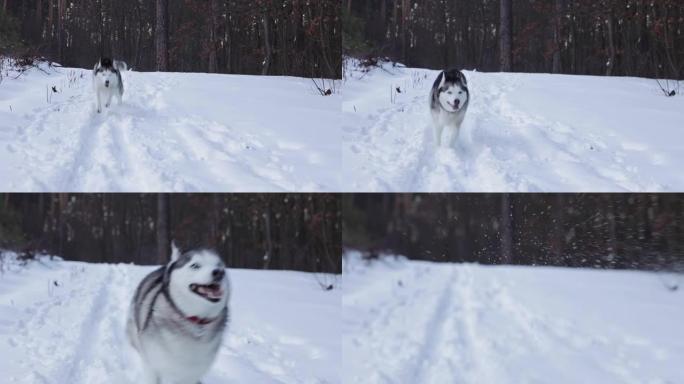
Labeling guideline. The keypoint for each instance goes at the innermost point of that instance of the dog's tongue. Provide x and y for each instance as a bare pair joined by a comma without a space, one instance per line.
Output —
211,291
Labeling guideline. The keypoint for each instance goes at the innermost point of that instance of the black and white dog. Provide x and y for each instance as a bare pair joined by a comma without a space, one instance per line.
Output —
178,316
448,104
107,81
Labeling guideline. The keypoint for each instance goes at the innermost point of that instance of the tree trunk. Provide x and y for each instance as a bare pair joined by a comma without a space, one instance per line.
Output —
506,229
269,243
60,31
213,30
506,36
267,45
214,221
405,10
39,19
611,46
558,230
612,226
62,201
162,35
163,238
558,11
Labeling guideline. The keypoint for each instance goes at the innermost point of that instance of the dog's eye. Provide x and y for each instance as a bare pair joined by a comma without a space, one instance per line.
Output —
194,266
460,92
449,93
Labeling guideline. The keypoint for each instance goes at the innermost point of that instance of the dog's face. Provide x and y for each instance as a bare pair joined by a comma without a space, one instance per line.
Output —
198,283
453,91
105,75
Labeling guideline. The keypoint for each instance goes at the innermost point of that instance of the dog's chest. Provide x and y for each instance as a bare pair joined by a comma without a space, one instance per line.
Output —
444,118
188,351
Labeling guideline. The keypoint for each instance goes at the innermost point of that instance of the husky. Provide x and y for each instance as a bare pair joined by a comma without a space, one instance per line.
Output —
178,316
448,104
107,81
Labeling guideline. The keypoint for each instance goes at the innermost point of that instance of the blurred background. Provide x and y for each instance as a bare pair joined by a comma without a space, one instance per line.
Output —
274,37
257,231
589,37
625,231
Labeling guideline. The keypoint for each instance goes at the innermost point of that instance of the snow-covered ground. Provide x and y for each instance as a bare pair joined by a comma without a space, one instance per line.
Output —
63,323
174,132
419,322
523,132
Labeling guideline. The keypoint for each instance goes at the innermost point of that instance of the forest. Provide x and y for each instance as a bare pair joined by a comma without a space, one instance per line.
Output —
623,231
256,231
267,37
589,37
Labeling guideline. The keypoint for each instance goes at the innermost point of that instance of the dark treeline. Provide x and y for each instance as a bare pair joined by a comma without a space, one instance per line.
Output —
270,37
644,231
269,231
595,37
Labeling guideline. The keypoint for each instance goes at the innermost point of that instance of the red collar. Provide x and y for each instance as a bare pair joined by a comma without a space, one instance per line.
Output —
199,320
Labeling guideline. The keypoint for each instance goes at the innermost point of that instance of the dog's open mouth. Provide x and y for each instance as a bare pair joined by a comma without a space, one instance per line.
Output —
211,292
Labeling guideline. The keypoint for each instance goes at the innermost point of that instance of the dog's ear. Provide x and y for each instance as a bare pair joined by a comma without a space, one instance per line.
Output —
463,78
167,273
175,252
120,65
442,76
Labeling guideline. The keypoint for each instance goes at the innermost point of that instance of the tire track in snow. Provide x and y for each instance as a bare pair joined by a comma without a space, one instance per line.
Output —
560,337
102,156
59,318
561,146
106,356
82,164
504,145
469,165
458,347
475,340
80,355
404,327
436,331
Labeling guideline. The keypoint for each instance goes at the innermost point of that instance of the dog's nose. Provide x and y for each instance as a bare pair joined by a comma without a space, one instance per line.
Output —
218,274
457,103
107,83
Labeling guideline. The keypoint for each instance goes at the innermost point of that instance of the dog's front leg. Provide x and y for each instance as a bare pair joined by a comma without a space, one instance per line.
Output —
151,377
99,102
109,99
438,129
453,135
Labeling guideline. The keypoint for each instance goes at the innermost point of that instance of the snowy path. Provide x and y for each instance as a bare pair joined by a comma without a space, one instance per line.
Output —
430,323
174,132
65,323
522,133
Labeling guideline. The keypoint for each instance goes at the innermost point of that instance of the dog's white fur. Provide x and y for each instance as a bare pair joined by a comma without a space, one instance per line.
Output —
174,350
187,301
196,358
450,111
107,84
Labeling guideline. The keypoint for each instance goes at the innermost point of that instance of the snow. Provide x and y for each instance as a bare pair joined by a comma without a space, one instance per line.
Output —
421,322
522,133
175,132
63,322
